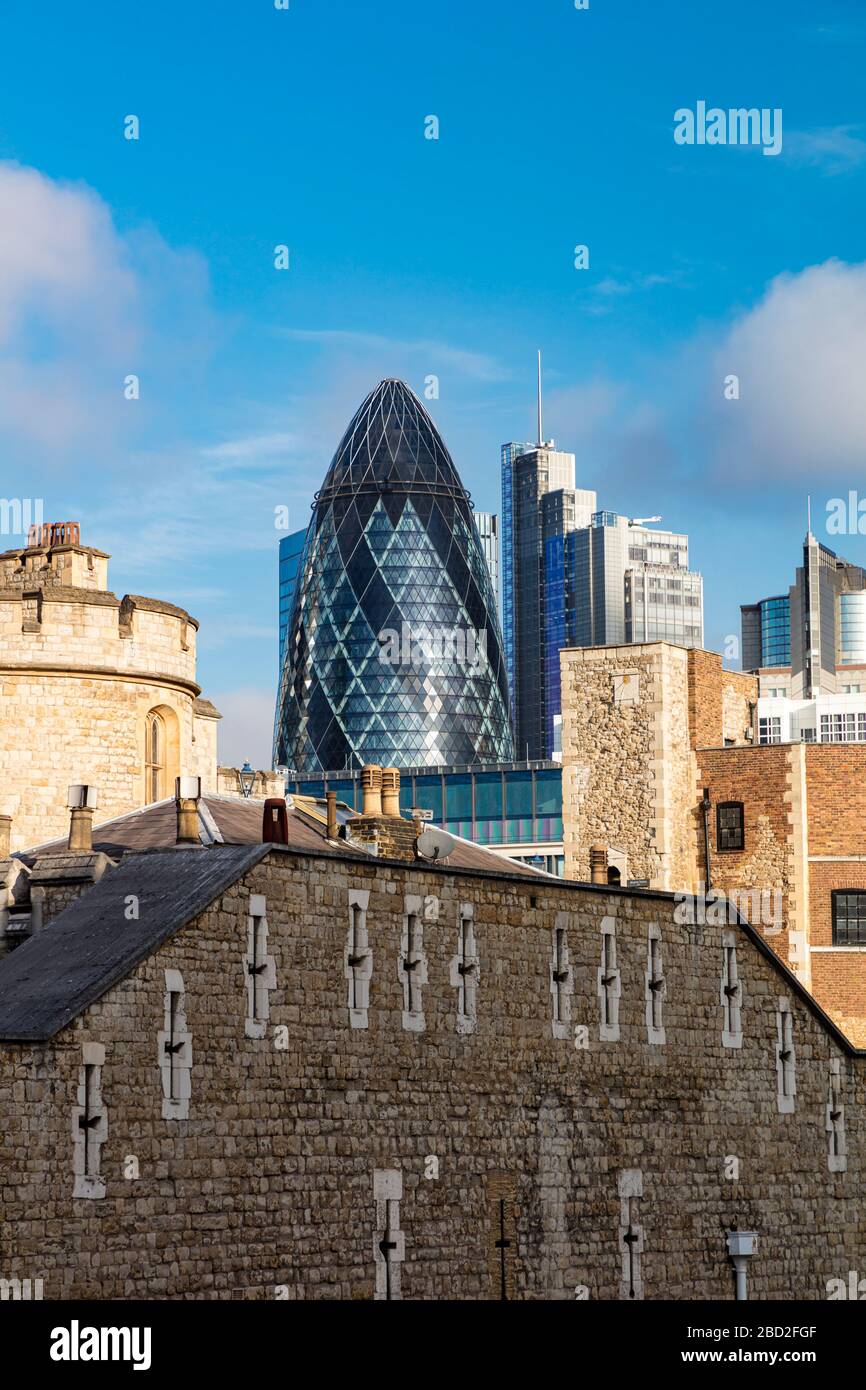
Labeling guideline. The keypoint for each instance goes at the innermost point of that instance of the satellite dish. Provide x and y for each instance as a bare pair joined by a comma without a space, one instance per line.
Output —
435,844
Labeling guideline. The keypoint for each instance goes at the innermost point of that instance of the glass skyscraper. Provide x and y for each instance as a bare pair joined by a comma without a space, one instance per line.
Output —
291,550
488,532
393,652
609,583
510,453
766,633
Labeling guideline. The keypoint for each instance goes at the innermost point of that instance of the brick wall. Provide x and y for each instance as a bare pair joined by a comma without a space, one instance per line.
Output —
719,701
269,1183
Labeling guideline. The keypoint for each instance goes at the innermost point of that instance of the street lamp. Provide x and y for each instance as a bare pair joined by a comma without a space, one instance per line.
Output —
248,779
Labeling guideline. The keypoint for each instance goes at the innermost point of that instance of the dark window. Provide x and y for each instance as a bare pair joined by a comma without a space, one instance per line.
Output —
849,918
729,825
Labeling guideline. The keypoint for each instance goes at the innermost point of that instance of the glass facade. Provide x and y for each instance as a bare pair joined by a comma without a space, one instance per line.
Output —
488,534
503,806
775,631
394,653
852,629
509,453
291,550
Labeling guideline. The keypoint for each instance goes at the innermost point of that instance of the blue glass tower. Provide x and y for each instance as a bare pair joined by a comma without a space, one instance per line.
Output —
393,652
291,550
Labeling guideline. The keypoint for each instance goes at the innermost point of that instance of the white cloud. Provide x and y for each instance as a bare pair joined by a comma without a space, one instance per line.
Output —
82,306
833,149
799,356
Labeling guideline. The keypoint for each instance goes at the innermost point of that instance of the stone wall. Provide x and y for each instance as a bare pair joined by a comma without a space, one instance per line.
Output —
300,1142
79,672
628,768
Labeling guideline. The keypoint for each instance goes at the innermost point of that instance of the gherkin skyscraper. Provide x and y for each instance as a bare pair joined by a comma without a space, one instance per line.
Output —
394,652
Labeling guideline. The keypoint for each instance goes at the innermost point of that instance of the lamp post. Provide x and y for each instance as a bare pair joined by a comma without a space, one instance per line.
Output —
248,779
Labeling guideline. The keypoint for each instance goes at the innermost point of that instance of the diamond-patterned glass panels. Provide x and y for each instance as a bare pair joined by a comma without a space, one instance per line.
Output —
394,653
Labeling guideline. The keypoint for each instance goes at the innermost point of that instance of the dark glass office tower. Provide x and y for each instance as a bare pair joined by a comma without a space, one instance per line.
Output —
291,551
394,652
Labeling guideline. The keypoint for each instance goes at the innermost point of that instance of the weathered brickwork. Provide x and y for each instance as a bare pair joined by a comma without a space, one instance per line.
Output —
719,701
759,778
80,671
503,1134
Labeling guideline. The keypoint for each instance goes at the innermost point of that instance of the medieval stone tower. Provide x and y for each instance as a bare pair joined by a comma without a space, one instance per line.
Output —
94,688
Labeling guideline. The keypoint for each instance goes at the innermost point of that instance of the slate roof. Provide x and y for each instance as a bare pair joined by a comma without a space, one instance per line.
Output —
59,972
234,820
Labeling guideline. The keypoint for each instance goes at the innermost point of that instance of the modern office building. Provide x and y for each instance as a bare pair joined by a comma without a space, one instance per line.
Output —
291,550
488,534
766,632
509,453
802,645
394,652
611,583
544,500
514,809
576,576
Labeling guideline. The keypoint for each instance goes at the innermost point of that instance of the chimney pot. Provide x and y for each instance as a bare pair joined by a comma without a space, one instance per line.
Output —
371,789
390,791
331,803
598,864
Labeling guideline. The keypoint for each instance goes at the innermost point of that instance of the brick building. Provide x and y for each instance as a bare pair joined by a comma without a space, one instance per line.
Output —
661,765
333,1067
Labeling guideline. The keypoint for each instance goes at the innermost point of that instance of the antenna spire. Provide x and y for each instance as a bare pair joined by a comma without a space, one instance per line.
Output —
540,426
808,515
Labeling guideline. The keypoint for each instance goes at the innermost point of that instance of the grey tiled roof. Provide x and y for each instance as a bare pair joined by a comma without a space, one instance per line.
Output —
65,967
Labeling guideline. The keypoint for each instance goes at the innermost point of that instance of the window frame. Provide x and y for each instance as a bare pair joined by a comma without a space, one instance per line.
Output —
730,806
860,939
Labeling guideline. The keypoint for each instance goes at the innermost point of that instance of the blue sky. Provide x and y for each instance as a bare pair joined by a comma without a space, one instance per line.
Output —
413,257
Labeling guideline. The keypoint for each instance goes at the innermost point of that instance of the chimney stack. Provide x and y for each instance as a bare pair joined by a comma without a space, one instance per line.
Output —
390,791
5,836
187,795
371,789
598,864
275,821
81,800
331,803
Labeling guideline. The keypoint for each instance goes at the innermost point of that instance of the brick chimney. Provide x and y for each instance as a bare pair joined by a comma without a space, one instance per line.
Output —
379,825
81,800
186,798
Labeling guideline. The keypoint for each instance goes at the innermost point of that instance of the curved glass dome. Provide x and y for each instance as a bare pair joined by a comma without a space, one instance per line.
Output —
394,653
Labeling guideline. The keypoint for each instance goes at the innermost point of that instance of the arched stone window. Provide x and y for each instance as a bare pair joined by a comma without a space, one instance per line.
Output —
154,757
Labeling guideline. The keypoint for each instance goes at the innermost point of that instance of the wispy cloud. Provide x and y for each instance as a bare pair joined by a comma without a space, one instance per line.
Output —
604,294
832,149
478,366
